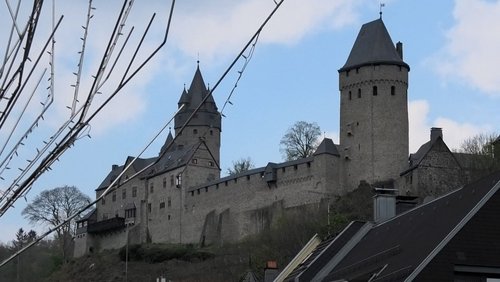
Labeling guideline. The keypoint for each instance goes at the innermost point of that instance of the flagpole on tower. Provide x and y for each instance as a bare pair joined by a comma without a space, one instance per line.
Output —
381,6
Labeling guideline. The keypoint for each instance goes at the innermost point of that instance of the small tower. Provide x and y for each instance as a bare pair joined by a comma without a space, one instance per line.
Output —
205,124
373,108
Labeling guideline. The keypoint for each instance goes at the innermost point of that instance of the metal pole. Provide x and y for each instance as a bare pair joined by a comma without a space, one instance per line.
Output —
126,257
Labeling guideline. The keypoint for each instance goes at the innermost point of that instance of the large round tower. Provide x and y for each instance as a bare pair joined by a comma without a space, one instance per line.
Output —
373,108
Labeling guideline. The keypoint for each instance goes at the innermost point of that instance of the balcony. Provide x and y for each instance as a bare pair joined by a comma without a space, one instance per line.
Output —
107,225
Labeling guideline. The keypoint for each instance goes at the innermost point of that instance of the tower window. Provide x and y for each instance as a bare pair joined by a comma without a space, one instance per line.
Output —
359,92
195,131
375,91
124,193
347,73
357,70
151,188
211,132
350,95
194,161
134,192
113,197
164,182
393,90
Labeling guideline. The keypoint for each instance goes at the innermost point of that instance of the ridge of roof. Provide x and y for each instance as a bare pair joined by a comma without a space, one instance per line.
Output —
373,45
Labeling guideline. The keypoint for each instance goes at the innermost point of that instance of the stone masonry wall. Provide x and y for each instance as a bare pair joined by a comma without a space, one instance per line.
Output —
373,128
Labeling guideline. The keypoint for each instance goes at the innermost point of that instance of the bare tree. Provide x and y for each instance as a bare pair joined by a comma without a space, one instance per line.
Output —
481,144
240,165
53,207
300,140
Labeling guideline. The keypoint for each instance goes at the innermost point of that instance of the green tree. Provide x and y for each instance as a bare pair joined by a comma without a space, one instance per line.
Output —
240,165
300,140
53,207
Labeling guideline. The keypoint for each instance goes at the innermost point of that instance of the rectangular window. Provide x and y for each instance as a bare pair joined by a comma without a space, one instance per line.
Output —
194,161
151,188
169,202
393,90
210,163
350,95
134,192
149,207
124,193
172,180
130,213
164,182
162,205
179,180
113,197
359,92
103,201
375,91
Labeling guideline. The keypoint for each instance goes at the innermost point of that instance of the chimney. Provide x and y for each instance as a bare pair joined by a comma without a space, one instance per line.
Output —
384,204
271,271
399,49
435,133
113,167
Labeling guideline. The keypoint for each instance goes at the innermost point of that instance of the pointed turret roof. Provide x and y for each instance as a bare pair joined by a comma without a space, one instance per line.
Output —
373,46
169,140
196,93
327,147
192,98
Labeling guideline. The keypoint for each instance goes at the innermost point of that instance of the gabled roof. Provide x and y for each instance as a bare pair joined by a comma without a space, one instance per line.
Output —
137,166
401,247
373,46
327,147
418,157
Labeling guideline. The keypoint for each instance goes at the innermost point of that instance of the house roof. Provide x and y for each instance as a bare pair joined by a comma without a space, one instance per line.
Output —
87,215
174,158
138,165
373,46
402,246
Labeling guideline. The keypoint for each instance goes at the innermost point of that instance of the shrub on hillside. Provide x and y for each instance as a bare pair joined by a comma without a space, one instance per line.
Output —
160,253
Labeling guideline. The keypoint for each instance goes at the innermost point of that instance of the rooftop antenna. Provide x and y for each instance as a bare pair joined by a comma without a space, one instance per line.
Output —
380,11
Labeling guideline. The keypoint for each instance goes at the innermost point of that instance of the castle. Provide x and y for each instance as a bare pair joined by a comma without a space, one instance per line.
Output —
180,197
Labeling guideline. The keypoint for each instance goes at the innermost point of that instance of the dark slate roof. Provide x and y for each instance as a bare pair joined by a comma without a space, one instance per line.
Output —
207,115
373,46
497,140
400,247
87,216
321,255
327,147
169,140
174,158
196,92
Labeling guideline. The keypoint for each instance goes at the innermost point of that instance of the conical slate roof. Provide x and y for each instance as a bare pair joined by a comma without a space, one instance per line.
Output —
373,46
169,140
327,147
207,114
196,93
